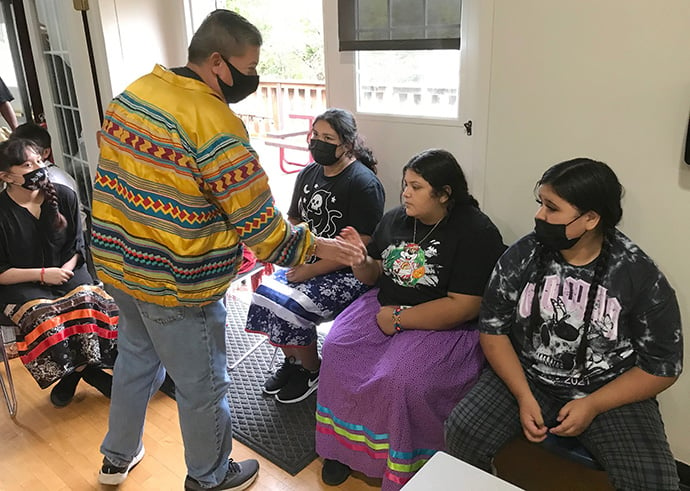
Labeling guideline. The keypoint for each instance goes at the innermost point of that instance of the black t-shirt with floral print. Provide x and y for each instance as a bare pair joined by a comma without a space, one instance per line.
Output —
456,255
635,319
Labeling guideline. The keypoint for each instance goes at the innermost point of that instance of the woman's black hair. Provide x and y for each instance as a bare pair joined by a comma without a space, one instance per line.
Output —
441,170
35,133
344,124
588,185
13,152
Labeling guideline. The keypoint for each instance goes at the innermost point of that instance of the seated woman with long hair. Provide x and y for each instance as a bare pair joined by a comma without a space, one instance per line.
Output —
66,323
338,189
398,359
582,331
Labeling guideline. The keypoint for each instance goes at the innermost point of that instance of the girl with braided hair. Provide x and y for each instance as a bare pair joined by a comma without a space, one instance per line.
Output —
66,323
581,331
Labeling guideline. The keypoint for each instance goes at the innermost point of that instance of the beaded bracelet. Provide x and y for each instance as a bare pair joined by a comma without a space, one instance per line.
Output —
397,325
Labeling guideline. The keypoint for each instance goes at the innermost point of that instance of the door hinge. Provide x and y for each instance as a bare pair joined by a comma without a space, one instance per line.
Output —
468,127
81,4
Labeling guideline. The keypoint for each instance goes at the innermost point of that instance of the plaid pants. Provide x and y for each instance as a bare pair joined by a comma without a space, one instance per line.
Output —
628,441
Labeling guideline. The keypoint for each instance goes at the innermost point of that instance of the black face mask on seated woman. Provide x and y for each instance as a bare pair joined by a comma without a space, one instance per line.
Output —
323,152
552,235
35,179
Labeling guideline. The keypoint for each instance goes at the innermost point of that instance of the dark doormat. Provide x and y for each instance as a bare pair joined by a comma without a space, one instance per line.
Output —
282,433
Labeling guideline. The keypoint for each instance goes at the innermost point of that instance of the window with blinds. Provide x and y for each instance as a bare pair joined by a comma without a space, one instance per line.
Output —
407,55
374,25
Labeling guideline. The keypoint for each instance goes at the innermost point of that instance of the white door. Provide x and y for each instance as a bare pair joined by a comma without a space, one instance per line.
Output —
394,138
61,55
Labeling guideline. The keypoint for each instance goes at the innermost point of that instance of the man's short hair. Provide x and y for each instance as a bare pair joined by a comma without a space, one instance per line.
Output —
37,134
225,32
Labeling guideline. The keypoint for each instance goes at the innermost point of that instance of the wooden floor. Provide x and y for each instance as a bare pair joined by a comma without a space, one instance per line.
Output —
46,447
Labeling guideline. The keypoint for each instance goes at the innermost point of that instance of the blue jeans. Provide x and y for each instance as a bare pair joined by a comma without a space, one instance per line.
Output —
188,342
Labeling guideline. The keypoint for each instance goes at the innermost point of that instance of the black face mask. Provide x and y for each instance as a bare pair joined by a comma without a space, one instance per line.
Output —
323,152
552,235
242,85
35,179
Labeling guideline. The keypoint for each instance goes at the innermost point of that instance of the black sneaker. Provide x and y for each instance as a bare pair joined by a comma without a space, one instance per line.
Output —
334,473
240,476
112,475
280,379
301,384
99,379
63,391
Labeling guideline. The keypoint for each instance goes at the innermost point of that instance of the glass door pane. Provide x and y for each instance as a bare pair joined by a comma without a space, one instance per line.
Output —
64,120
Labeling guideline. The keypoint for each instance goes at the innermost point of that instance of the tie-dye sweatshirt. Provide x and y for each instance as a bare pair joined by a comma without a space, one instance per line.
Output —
635,317
177,192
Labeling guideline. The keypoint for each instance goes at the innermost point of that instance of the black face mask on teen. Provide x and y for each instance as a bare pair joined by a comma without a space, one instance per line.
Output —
35,179
552,235
323,152
242,85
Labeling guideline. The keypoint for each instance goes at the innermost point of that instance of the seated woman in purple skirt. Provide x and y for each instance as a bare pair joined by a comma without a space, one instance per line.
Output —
398,359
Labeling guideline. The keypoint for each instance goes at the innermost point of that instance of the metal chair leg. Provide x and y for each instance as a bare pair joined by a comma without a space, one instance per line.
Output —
271,365
7,388
247,353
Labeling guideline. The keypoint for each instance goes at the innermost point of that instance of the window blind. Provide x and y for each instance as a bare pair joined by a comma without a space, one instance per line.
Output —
366,25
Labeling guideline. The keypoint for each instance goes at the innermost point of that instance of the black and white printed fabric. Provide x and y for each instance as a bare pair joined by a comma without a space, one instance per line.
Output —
635,319
354,197
456,255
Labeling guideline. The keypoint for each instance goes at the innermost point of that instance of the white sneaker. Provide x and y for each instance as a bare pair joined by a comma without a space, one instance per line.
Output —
112,475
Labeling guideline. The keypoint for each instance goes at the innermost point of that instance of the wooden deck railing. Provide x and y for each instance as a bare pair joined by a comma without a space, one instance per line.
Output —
268,110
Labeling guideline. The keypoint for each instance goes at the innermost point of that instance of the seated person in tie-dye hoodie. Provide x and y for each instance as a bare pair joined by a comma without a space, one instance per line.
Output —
582,331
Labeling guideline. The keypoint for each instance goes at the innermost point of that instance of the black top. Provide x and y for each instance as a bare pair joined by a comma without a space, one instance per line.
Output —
184,71
5,94
457,256
30,242
355,197
635,320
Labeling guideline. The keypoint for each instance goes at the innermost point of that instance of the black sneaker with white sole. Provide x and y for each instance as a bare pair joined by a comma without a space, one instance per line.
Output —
240,476
281,377
112,475
301,384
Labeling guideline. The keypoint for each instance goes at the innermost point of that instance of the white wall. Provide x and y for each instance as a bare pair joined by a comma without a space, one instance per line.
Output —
138,34
609,80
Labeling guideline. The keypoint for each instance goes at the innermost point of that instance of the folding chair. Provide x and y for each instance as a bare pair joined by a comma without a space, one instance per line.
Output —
7,386
257,269
6,381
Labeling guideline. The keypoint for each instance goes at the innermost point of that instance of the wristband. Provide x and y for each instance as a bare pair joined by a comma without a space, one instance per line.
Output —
396,318
43,272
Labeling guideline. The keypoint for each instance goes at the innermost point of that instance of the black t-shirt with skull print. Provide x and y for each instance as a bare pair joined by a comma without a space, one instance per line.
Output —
355,197
457,255
635,319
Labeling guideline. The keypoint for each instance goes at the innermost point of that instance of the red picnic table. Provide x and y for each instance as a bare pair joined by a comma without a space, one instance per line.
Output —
297,140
